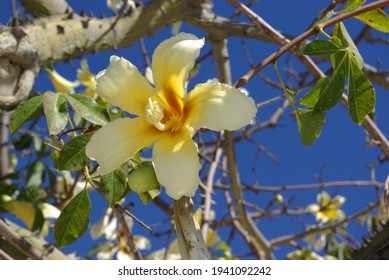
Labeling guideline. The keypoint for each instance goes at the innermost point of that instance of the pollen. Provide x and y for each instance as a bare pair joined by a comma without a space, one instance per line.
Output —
175,123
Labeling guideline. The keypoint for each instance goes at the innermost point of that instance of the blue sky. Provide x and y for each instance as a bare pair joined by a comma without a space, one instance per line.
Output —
341,147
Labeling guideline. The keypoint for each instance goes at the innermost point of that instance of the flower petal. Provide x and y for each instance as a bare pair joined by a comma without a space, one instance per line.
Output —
123,86
218,106
61,84
177,165
172,61
118,141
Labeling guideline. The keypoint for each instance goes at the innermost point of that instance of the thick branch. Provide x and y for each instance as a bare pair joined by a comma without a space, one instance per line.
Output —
190,240
4,155
64,37
46,250
255,239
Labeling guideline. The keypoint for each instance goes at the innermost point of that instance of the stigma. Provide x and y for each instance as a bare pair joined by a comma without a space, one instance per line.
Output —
153,113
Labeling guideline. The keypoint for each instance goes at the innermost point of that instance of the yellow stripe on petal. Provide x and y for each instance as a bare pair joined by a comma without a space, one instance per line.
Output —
122,85
118,141
177,164
172,61
218,106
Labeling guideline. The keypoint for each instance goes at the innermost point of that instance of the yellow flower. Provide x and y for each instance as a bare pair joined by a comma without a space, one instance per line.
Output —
26,211
61,84
87,79
327,209
167,116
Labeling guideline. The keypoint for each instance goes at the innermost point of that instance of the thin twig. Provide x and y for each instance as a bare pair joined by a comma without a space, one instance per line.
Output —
120,214
209,191
95,185
334,184
312,31
374,132
285,239
255,239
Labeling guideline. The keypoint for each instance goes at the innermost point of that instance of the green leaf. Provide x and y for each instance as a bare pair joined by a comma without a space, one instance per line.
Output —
87,108
319,48
72,156
39,220
332,91
310,98
361,93
352,5
35,175
73,221
143,181
309,125
56,111
291,93
22,142
376,19
28,111
341,33
113,186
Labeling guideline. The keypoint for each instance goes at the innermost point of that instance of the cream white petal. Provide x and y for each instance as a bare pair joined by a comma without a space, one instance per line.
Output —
49,211
172,61
122,85
177,165
118,141
218,106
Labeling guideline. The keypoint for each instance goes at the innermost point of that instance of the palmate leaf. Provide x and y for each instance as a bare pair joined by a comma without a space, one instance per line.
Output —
310,98
309,125
361,93
352,5
319,48
376,19
72,156
333,89
113,186
25,113
341,35
56,111
88,108
73,221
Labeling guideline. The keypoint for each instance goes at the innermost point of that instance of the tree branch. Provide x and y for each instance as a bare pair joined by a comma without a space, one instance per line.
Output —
374,132
254,238
312,31
120,215
190,241
67,36
285,239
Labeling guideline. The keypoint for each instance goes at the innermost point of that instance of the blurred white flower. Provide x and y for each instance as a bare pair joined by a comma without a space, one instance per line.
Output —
172,253
106,227
116,5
